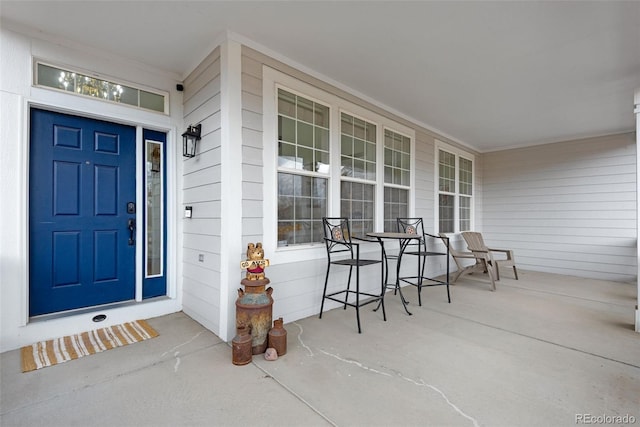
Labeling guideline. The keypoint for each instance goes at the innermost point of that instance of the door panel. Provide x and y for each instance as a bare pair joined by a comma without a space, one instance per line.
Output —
66,260
81,176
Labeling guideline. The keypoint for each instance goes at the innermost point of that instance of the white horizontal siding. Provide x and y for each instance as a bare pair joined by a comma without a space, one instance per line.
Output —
567,208
201,186
424,184
252,165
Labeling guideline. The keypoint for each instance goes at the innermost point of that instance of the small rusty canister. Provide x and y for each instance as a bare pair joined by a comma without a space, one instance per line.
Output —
241,346
278,337
254,307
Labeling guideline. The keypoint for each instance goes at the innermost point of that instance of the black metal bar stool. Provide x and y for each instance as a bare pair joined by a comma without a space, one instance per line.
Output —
419,248
339,241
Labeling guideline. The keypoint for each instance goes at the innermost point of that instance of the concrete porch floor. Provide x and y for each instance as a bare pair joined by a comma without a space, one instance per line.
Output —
543,350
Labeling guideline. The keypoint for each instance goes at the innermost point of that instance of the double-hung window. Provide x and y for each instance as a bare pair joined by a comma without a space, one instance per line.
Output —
455,189
326,156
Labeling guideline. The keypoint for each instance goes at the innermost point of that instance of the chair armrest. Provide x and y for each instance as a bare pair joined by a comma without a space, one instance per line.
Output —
507,252
482,251
463,255
339,242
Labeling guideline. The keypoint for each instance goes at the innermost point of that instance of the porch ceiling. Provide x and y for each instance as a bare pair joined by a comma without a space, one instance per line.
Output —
491,75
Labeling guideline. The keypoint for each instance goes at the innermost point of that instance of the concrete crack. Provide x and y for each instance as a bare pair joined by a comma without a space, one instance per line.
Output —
358,364
180,345
420,383
300,339
175,367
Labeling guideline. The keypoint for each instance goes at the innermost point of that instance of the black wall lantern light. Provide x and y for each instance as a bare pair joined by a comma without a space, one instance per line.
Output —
190,139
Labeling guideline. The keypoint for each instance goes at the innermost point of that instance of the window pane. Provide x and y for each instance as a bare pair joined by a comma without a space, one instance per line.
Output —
302,187
302,202
371,132
321,115
465,176
305,134
286,129
305,109
153,212
358,128
285,207
356,203
395,206
285,184
287,155
358,155
54,77
286,104
446,213
370,154
346,125
306,155
358,168
322,139
347,146
397,158
465,213
405,178
447,168
322,162
370,171
358,148
347,166
148,100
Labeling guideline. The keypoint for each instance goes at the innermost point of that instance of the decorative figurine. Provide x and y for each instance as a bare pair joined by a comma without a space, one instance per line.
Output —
255,262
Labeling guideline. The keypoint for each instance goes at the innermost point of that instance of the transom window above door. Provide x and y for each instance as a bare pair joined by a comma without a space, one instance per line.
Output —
85,84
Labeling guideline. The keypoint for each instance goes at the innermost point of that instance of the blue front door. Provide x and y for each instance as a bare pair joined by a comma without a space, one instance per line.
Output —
82,187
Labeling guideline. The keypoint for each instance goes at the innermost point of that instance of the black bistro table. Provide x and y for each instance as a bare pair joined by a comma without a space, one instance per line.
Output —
403,239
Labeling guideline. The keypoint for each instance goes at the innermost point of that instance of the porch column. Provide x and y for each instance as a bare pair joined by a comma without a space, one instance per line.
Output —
231,160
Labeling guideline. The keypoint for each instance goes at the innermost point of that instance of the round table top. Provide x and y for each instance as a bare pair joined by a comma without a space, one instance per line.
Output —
391,235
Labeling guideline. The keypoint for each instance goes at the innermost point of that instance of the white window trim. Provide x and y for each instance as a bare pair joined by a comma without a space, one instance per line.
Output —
439,145
274,80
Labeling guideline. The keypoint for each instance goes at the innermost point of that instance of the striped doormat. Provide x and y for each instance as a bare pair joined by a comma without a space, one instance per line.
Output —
60,350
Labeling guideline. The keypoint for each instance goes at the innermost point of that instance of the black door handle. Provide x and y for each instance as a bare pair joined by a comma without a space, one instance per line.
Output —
131,225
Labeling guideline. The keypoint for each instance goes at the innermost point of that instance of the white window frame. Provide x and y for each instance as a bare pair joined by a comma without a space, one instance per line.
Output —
458,153
274,80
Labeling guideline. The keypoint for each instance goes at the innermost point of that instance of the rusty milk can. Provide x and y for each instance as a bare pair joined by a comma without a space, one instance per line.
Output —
254,307
254,304
241,346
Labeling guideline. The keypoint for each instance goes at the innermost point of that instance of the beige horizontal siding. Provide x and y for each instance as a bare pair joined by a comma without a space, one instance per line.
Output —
567,208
